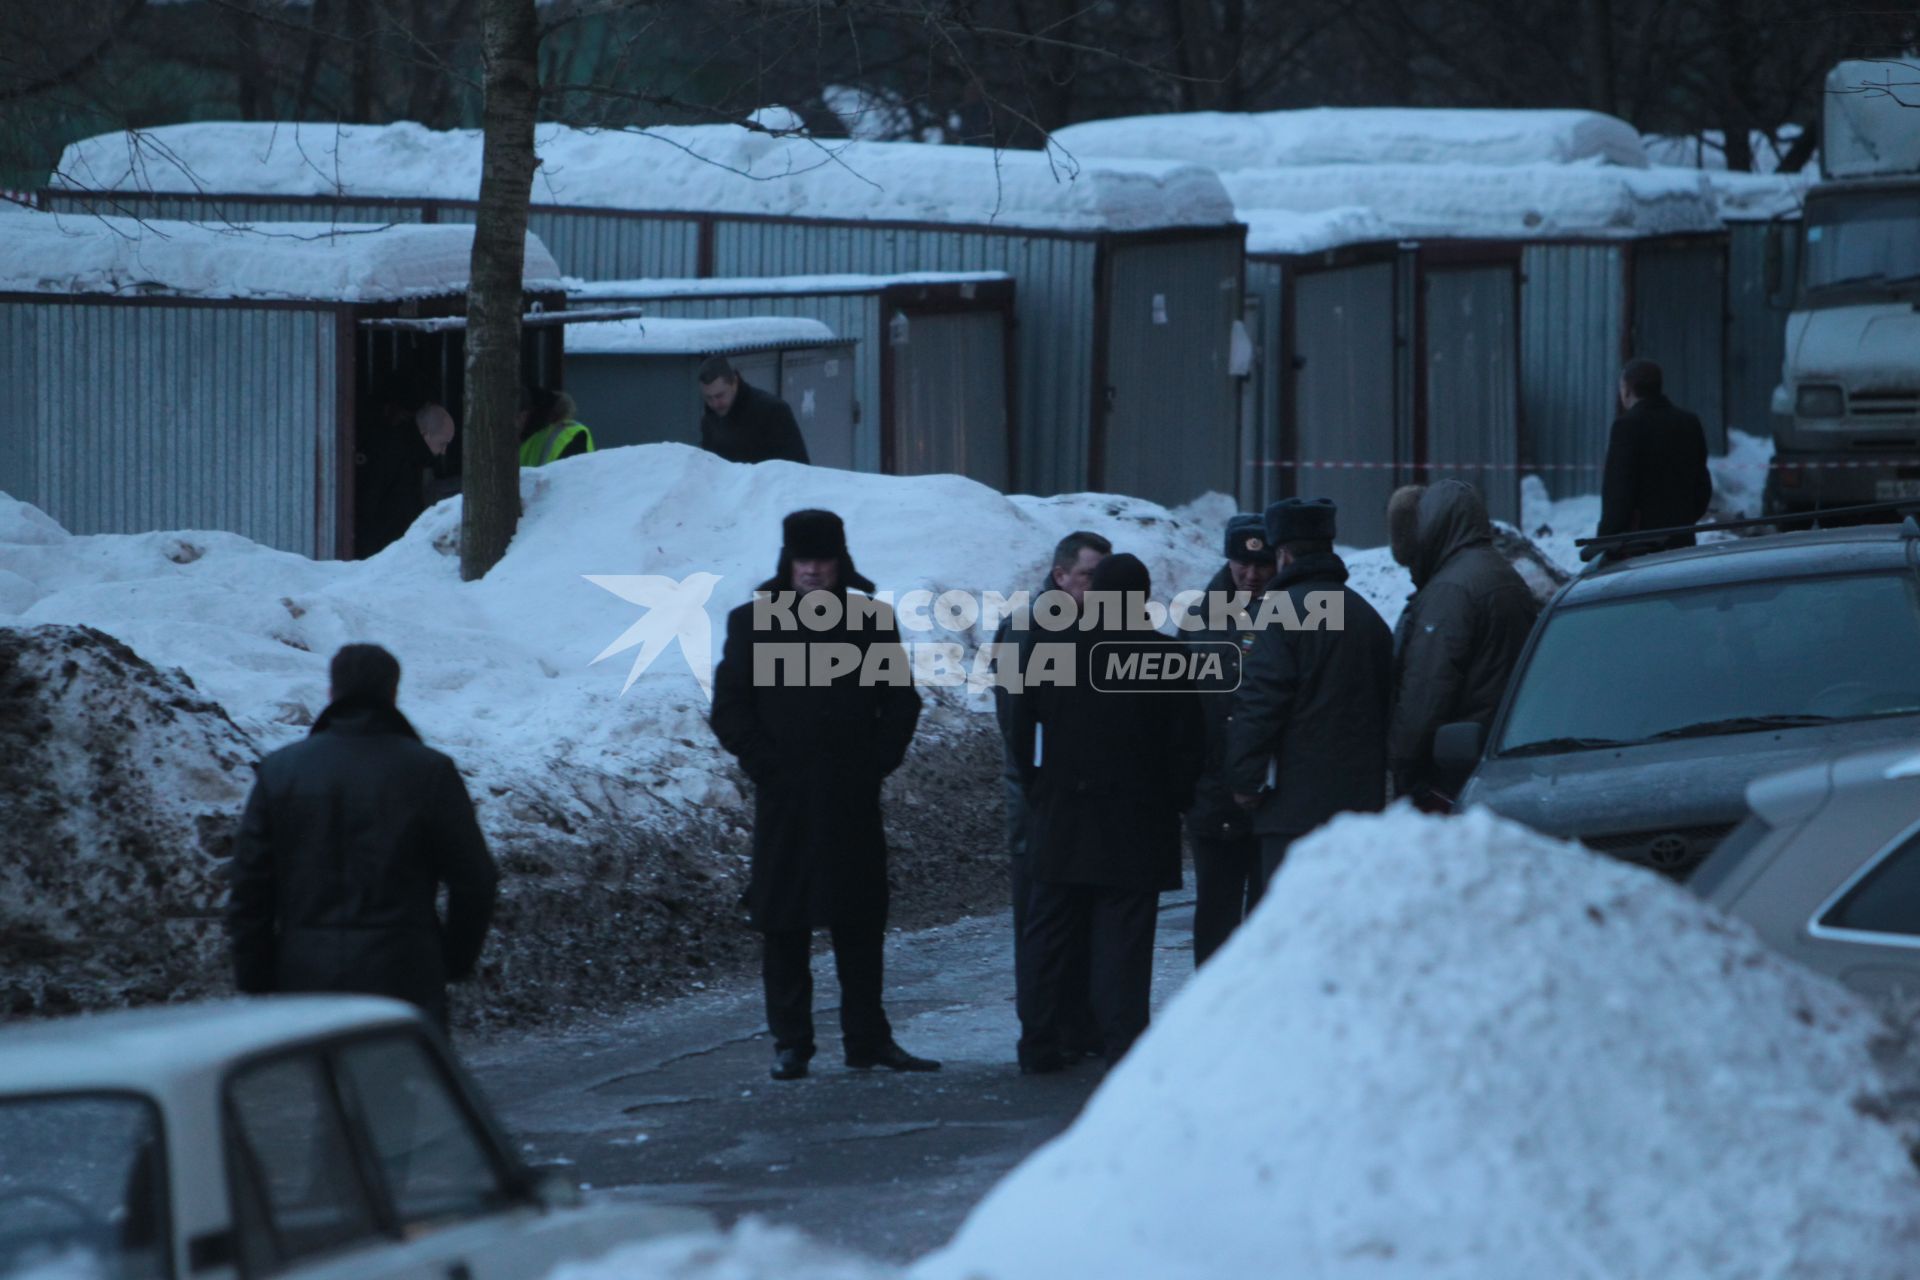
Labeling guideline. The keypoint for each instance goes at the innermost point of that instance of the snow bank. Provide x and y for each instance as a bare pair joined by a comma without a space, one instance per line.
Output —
1531,202
80,253
1759,197
1740,477
1451,1048
755,286
1360,136
753,1250
693,169
673,337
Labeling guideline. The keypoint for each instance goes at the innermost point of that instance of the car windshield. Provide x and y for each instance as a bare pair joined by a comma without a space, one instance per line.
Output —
1864,240
82,1188
1724,659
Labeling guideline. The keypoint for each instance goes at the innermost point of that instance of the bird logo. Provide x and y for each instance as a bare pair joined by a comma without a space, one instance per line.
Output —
674,611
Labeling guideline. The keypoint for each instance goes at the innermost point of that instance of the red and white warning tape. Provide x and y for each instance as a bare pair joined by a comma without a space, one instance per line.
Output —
1320,464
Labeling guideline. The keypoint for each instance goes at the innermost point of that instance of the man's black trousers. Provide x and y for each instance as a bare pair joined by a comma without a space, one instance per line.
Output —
1227,880
1112,929
858,956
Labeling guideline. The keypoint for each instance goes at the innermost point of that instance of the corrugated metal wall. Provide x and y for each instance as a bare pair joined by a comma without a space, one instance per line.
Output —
1263,424
1472,385
1345,393
1572,326
1054,309
203,209
609,246
1173,408
854,317
147,417
1680,321
1763,261
949,396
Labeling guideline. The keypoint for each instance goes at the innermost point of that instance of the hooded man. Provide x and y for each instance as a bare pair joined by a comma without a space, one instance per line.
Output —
1108,771
1309,733
1460,637
1226,855
817,737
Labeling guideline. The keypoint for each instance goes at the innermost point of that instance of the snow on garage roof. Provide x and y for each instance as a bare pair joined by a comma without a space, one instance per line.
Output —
1359,135
677,337
756,286
80,253
689,168
1355,203
1759,197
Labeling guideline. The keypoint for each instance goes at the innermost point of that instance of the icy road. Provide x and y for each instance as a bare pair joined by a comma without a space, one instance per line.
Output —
674,1104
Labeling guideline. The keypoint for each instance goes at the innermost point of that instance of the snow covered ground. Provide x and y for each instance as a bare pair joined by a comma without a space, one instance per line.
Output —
1453,1048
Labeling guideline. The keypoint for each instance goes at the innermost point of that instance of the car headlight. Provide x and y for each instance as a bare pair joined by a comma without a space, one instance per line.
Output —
1820,402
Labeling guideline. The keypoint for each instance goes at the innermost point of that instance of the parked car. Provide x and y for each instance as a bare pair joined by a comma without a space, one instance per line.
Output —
1654,689
301,1137
1827,868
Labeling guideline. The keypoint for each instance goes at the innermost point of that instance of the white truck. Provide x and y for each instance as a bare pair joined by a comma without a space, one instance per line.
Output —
1847,415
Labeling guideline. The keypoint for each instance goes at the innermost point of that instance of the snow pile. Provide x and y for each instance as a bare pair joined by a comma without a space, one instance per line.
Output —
753,1250
1707,149
55,253
669,337
1759,197
119,784
754,286
1740,477
1529,202
1452,1048
1554,524
1360,136
671,168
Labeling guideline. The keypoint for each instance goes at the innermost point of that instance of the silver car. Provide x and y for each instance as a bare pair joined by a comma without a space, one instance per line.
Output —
1827,868
302,1137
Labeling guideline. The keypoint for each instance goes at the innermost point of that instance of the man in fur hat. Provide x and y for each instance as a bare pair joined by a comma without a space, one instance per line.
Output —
1309,733
816,748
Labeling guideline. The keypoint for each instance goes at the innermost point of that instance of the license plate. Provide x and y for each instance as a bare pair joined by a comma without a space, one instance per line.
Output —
1893,490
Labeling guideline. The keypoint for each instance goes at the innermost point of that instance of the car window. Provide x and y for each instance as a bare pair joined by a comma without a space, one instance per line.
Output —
435,1165
1626,670
1887,899
82,1187
291,1145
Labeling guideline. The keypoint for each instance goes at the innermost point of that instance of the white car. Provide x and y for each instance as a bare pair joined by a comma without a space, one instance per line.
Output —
300,1137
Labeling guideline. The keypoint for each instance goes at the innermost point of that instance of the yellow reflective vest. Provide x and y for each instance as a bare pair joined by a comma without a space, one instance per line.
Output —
548,443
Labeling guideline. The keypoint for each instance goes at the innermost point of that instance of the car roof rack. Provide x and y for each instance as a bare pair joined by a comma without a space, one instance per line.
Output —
1909,528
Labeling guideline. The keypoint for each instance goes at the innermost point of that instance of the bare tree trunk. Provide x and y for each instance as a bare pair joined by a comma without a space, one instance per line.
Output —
1596,30
510,47
360,77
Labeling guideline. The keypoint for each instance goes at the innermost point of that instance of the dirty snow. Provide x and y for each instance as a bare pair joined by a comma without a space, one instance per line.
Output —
1452,1048
1412,201
654,336
753,1250
74,253
1360,136
670,168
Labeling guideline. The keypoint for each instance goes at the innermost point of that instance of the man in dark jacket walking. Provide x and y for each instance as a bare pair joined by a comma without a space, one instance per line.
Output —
743,423
1309,732
344,844
1108,772
1460,636
1226,856
1075,557
817,737
1656,475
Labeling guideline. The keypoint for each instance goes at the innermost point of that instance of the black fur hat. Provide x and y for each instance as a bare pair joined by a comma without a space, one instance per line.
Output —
1247,540
1300,520
814,534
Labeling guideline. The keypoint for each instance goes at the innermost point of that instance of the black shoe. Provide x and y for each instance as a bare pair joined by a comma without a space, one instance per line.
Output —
890,1056
1042,1064
790,1064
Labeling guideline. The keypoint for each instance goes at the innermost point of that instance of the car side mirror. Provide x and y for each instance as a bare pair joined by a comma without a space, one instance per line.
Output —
552,1187
1457,748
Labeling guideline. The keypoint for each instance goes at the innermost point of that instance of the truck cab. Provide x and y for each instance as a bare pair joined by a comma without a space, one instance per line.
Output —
1847,415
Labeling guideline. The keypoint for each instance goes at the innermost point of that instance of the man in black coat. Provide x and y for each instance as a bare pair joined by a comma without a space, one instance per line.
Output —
1226,856
343,847
1108,772
743,423
1656,475
817,737
1309,732
1460,636
1075,557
